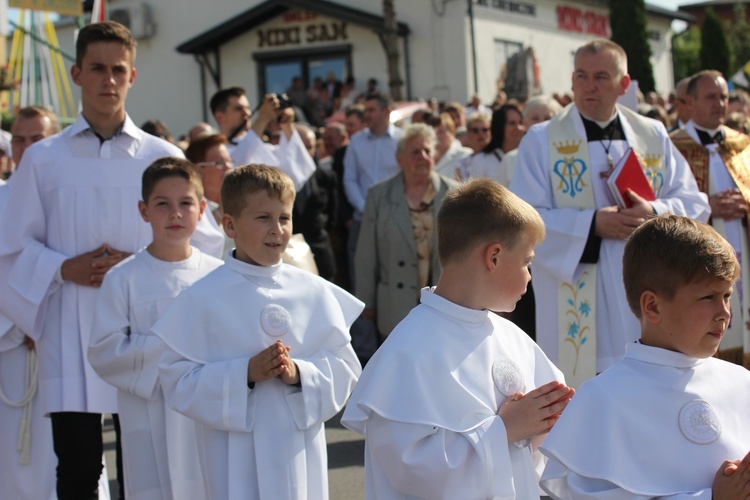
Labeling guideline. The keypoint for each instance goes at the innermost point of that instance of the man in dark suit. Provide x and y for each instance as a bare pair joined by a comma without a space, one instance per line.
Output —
315,210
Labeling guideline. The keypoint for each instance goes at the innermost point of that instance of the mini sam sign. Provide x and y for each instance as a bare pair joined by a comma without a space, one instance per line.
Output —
297,35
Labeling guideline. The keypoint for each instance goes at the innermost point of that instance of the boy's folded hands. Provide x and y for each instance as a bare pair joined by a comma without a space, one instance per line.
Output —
273,361
534,413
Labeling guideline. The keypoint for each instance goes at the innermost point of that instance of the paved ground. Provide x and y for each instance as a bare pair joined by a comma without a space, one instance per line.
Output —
346,474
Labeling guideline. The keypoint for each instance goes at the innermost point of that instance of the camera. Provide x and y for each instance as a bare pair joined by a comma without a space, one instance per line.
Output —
284,101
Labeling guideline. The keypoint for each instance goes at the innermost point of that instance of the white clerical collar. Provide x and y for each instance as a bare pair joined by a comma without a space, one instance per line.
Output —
658,356
247,269
603,124
445,306
709,131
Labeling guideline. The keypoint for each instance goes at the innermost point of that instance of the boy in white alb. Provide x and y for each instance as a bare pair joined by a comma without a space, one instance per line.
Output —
258,353
455,402
159,444
667,421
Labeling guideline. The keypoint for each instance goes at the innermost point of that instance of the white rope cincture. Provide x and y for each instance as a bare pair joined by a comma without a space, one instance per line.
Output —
24,433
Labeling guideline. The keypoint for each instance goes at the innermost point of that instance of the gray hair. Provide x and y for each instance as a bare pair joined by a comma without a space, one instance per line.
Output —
603,45
541,100
416,130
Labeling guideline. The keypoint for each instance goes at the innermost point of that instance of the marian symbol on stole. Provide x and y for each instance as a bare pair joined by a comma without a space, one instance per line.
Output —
654,174
570,169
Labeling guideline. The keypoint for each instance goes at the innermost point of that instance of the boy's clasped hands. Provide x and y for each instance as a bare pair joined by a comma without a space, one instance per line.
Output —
732,480
273,361
534,413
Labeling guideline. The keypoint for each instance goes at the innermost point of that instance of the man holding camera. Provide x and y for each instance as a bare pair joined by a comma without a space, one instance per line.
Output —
233,119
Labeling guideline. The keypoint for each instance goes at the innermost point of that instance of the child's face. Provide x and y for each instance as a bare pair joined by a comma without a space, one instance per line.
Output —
262,230
695,320
512,275
105,75
173,210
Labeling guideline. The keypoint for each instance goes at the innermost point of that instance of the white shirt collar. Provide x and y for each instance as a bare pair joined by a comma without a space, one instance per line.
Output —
128,127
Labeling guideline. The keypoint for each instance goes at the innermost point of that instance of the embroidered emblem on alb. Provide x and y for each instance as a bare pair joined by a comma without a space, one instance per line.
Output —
507,377
699,423
275,320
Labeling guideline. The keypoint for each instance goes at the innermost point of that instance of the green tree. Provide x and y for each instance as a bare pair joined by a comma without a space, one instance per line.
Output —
738,33
627,20
686,49
716,52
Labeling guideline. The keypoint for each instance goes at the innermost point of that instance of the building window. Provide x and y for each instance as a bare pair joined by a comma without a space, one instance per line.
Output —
276,69
504,51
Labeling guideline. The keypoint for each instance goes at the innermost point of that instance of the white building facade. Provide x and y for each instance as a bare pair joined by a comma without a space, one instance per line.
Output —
450,49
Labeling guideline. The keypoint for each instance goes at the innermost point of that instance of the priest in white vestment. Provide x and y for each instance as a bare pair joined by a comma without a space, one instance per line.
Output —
582,318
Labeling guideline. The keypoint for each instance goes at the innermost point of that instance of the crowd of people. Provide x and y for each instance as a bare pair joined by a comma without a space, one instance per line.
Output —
158,280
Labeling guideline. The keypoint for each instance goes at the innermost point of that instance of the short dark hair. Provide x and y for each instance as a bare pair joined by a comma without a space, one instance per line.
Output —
157,128
249,179
357,110
384,99
668,252
107,31
167,167
196,151
220,100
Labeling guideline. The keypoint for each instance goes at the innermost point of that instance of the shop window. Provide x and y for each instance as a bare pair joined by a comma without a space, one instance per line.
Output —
276,69
504,51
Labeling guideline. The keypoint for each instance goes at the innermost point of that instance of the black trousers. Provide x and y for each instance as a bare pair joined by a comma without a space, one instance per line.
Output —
77,441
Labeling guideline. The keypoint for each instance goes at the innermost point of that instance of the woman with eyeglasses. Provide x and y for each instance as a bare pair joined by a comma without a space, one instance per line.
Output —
505,133
210,156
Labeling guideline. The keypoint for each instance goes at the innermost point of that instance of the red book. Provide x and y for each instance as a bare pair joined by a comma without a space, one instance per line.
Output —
629,174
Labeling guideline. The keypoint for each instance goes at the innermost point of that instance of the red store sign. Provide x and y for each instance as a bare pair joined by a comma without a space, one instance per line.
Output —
591,23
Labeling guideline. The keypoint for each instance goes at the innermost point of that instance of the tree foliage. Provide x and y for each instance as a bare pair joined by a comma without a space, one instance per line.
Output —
715,53
686,48
738,33
627,20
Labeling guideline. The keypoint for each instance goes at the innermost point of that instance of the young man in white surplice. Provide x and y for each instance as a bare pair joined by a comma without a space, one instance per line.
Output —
79,191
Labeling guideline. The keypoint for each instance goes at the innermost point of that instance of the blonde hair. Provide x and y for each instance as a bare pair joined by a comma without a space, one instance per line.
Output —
249,179
483,210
